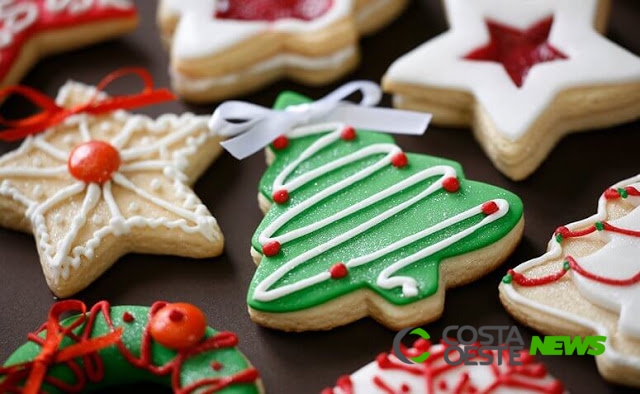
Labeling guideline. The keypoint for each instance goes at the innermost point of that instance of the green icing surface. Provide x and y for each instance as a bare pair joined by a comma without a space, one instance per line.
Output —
430,211
118,371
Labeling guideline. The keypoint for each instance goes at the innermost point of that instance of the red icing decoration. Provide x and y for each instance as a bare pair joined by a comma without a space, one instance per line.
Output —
451,185
16,14
273,10
178,326
338,270
348,133
93,162
399,160
518,50
271,249
507,377
490,207
280,143
543,280
91,369
52,114
281,196
127,317
613,194
216,366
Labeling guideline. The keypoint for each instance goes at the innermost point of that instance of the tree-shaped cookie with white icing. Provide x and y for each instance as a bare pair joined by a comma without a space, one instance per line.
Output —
588,283
355,227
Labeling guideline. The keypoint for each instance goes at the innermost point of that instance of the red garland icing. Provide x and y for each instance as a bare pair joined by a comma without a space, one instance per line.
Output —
563,233
52,114
614,194
272,10
513,376
92,370
518,50
47,21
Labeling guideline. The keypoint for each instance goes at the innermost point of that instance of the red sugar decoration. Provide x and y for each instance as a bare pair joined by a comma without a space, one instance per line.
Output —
127,317
399,160
451,185
176,315
281,196
348,133
280,143
338,270
271,248
490,207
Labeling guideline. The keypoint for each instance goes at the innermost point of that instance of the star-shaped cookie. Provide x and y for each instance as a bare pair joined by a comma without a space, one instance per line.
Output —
523,74
588,283
97,187
31,29
223,48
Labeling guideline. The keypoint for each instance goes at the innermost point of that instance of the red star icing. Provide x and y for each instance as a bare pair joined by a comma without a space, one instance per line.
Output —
518,50
22,20
272,10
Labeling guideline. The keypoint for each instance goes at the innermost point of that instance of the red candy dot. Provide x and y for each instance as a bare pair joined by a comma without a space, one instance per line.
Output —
611,194
178,326
399,160
281,196
451,184
271,249
348,134
490,207
127,317
405,388
338,270
555,387
442,385
93,162
216,366
280,143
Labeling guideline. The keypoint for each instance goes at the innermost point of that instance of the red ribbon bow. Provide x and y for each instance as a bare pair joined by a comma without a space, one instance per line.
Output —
52,114
51,353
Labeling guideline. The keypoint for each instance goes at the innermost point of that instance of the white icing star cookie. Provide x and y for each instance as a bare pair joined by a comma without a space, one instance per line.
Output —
523,74
588,283
223,48
32,29
97,187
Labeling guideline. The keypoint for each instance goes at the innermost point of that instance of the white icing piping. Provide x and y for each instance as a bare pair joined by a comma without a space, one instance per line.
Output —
194,216
555,251
263,291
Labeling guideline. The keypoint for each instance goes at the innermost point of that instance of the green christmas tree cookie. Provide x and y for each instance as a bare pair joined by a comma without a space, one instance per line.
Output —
355,226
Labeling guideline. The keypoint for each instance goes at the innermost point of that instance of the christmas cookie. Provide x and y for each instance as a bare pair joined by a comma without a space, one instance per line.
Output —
522,74
167,344
31,29
223,48
355,226
389,375
588,283
101,182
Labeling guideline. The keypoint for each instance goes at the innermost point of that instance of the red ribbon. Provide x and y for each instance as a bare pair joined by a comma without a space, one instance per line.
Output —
52,114
51,353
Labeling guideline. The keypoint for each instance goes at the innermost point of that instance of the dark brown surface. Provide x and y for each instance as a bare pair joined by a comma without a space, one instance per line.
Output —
564,189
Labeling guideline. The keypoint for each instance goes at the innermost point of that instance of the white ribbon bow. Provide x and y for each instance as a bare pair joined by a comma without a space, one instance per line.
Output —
254,127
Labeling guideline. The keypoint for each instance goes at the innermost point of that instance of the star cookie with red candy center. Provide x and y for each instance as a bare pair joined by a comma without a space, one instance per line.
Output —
522,74
31,29
96,187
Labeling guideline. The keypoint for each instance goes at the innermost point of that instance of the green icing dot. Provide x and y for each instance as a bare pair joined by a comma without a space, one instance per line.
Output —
623,193
566,266
507,279
559,238
599,226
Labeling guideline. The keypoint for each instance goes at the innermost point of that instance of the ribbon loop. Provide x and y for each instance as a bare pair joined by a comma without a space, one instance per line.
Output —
254,127
52,114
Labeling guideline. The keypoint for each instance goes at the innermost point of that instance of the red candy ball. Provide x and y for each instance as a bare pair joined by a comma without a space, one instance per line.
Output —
280,143
178,326
399,160
271,249
451,185
338,270
490,207
93,162
281,196
348,133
